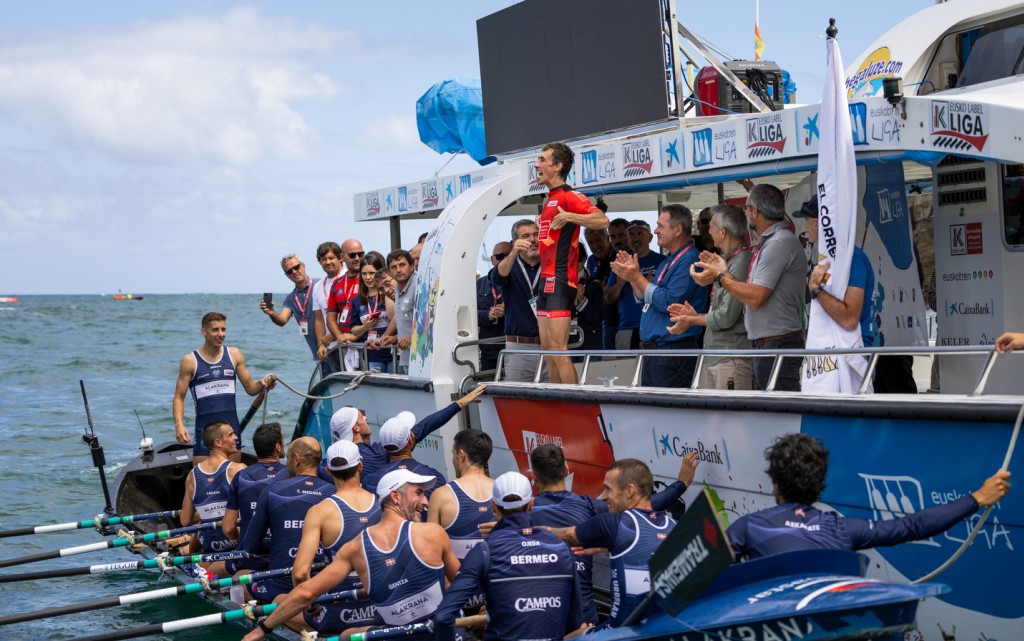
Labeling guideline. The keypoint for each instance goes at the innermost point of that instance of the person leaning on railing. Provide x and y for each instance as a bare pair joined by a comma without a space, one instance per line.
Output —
1010,341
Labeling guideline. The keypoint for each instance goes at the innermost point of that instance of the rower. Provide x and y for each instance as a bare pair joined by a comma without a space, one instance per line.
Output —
329,525
246,487
631,531
397,440
210,373
556,506
214,474
403,562
526,573
350,423
280,510
797,466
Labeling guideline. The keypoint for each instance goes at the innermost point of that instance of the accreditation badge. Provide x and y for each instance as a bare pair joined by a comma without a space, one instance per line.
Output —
303,327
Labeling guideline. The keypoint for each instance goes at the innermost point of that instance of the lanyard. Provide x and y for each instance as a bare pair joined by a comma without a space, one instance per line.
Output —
727,258
532,283
679,255
376,304
302,307
495,294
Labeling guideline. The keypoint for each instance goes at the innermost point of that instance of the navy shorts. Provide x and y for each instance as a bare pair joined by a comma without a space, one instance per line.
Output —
333,618
267,590
253,564
557,299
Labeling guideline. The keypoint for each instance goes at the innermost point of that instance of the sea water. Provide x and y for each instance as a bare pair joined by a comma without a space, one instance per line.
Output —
127,353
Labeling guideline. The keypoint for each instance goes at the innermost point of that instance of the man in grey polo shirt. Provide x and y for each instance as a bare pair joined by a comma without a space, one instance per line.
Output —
400,264
727,233
773,296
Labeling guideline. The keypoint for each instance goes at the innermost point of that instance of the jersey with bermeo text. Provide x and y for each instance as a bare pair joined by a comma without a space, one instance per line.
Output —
559,248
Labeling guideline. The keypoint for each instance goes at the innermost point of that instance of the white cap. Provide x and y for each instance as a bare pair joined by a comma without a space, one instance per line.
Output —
394,434
397,478
512,484
342,455
408,417
342,423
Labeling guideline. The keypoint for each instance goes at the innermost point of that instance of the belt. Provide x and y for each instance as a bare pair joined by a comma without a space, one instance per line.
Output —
686,343
528,340
758,342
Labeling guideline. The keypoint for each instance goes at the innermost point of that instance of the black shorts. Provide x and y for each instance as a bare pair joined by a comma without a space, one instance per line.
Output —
557,299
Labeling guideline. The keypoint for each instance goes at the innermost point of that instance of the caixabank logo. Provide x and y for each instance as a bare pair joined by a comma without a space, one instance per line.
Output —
959,126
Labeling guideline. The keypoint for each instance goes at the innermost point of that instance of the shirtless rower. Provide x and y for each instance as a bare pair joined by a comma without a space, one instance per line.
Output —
210,373
216,472
331,524
404,562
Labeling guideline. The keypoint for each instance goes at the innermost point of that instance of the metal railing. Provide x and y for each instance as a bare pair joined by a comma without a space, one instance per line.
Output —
364,360
872,355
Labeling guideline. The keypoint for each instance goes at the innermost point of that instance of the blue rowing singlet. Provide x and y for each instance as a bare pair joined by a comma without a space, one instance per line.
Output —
213,392
246,488
333,618
565,509
464,530
404,588
640,533
210,497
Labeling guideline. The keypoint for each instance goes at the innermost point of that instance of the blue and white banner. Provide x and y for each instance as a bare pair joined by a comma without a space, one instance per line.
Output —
837,225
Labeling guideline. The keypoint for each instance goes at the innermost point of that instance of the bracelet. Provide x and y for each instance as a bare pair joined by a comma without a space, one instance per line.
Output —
815,292
263,626
718,279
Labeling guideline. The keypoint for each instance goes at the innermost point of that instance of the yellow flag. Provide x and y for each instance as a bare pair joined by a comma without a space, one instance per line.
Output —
758,43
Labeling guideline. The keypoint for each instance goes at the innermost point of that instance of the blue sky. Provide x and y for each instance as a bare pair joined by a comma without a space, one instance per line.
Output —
165,147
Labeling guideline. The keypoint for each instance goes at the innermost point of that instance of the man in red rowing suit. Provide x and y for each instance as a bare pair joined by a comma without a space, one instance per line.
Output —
565,211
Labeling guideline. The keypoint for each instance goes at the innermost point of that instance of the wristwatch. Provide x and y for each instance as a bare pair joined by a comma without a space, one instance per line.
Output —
718,279
814,292
263,626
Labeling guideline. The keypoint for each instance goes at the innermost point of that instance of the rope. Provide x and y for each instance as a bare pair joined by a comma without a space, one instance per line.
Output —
309,636
161,562
984,517
205,583
247,608
351,386
130,537
98,522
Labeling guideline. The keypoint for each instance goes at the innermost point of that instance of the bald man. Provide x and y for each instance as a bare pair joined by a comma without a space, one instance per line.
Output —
281,510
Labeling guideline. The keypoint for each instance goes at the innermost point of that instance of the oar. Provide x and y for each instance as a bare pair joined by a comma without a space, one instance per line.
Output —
124,565
231,616
252,410
150,595
474,621
106,545
80,525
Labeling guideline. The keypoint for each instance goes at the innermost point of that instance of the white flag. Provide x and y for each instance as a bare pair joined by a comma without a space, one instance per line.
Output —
837,222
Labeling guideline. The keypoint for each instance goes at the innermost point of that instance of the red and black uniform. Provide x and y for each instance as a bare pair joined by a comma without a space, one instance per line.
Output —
344,290
559,253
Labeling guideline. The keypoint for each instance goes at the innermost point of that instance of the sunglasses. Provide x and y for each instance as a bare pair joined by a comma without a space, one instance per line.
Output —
355,255
292,270
500,256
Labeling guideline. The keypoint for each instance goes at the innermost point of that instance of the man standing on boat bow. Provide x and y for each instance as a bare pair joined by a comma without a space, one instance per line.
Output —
210,373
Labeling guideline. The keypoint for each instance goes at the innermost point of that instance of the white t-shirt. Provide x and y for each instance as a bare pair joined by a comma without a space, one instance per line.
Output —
321,292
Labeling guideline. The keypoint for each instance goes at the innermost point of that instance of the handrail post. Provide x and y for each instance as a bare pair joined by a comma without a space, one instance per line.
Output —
697,371
774,376
869,374
586,368
636,372
540,368
500,366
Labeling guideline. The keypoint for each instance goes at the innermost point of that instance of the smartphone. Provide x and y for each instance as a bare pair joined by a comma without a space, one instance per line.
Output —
268,300
374,316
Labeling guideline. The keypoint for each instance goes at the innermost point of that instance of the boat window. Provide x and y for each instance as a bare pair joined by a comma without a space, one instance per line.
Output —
1013,205
992,52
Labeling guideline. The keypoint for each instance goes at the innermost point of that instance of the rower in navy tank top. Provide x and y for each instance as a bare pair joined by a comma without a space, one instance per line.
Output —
213,392
210,497
527,574
464,531
281,510
404,588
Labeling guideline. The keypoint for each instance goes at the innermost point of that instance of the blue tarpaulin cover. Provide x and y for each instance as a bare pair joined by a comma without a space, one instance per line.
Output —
450,118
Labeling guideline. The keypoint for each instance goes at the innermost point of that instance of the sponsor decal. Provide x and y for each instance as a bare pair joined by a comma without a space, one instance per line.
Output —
389,203
892,497
958,308
884,124
449,189
702,145
959,126
588,166
430,196
532,559
810,128
859,122
532,186
636,158
403,198
672,154
532,439
373,203
765,137
978,274
465,182
538,603
867,80
669,445
966,239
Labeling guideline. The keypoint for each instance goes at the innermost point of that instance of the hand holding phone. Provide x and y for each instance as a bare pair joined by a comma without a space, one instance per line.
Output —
268,300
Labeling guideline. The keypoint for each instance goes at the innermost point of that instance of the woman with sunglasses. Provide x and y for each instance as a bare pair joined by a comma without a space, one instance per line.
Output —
373,310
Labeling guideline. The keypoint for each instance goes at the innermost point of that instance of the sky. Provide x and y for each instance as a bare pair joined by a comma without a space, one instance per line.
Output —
166,147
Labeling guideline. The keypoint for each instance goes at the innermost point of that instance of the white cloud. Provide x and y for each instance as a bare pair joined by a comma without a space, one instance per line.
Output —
391,132
214,88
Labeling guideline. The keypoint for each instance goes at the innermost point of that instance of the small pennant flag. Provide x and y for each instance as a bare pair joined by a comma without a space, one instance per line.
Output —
758,41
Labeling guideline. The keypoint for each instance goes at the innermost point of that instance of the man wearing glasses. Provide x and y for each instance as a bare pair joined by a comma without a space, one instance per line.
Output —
346,288
490,309
298,303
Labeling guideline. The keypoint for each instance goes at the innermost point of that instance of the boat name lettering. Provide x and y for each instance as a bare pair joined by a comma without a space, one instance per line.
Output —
803,526
781,630
411,604
676,572
531,559
397,583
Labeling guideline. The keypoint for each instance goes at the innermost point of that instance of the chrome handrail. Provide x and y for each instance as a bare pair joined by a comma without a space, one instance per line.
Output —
573,329
364,359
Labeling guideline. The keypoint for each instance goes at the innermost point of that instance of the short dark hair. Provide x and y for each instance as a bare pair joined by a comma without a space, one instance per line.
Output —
266,438
768,200
619,222
212,432
521,223
548,463
330,247
560,153
634,471
423,237
344,475
511,510
798,465
680,215
213,317
399,253
476,444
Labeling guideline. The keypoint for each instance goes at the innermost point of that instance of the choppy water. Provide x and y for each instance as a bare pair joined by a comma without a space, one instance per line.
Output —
127,352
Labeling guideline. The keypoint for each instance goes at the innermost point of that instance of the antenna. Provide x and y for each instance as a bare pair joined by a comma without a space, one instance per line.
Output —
141,426
146,444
